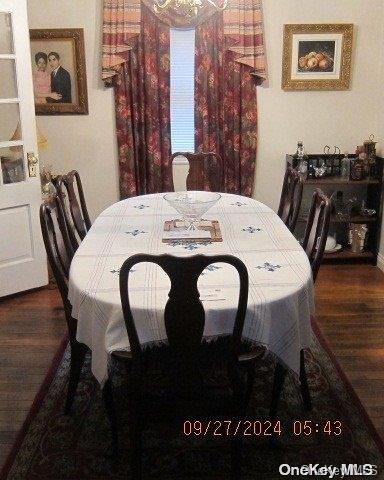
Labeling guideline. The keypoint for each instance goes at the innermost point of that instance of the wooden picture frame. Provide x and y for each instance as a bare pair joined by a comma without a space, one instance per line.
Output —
59,73
317,56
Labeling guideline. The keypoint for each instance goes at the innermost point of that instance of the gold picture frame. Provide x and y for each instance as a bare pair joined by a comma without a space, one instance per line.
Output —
58,69
317,56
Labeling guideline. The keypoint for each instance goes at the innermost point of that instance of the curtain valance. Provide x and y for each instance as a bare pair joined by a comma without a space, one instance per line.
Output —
242,24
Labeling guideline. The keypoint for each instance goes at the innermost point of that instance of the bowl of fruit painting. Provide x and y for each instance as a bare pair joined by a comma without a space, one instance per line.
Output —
317,56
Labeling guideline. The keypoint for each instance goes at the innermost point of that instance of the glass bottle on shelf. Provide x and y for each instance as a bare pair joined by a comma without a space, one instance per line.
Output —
302,161
345,166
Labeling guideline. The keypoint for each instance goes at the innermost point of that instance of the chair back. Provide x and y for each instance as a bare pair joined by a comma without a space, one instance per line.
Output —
316,230
290,200
206,171
70,185
184,314
74,237
57,243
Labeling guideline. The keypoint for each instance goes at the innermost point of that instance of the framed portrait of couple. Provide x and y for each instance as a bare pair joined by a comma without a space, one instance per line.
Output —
58,70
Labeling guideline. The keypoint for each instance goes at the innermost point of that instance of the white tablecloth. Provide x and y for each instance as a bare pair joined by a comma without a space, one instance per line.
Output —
280,294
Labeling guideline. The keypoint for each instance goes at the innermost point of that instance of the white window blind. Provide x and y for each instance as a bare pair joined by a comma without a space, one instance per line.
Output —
182,60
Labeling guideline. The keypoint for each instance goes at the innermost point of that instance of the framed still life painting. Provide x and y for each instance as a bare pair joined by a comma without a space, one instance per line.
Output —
317,56
58,69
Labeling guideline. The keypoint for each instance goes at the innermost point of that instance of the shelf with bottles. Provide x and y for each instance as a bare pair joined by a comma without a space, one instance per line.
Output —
360,202
345,219
346,255
323,169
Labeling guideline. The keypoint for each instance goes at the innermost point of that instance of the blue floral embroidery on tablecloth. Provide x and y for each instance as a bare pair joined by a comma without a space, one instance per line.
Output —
251,229
187,245
238,204
210,268
141,206
117,270
268,266
135,232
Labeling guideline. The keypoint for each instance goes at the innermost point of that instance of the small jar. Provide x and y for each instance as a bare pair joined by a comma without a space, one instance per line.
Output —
357,169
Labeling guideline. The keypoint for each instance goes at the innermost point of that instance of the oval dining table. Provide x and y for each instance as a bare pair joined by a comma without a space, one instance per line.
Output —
280,300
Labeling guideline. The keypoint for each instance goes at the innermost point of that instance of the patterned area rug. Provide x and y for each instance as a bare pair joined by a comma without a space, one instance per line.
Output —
59,447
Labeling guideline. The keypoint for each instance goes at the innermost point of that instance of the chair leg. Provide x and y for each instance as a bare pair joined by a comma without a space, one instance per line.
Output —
78,351
135,446
111,413
136,418
239,396
304,387
278,383
236,456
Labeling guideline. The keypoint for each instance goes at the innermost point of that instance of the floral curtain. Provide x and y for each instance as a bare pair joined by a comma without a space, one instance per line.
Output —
230,61
225,111
142,112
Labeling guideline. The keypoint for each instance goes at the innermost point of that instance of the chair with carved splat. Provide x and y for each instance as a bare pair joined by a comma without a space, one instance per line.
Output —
60,253
313,243
290,200
184,319
71,194
206,171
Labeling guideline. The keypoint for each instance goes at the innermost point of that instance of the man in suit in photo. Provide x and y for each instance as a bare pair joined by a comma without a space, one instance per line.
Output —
60,79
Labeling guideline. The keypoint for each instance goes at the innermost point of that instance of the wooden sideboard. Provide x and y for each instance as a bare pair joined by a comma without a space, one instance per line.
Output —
370,189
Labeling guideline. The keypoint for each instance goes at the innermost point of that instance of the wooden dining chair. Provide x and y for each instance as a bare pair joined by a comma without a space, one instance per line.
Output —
290,200
313,243
71,194
184,319
74,237
206,171
60,253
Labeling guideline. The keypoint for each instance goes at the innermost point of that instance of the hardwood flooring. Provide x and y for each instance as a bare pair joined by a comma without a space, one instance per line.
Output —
350,314
32,326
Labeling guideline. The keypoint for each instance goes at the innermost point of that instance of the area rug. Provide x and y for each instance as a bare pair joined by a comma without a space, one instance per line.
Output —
338,433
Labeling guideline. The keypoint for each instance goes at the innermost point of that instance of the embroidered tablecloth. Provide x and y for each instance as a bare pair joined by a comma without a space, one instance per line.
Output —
280,299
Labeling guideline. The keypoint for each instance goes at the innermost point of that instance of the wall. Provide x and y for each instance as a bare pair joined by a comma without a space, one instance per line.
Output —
318,118
83,142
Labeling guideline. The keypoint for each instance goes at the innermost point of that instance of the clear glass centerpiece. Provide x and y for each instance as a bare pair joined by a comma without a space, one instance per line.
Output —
192,205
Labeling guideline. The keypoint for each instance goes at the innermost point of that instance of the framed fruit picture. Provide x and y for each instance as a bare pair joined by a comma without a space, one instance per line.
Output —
317,56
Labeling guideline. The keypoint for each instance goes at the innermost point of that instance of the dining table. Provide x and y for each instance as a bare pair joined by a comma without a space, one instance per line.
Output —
280,298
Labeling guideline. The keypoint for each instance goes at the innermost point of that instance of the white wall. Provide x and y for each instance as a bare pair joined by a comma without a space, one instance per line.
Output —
318,118
86,143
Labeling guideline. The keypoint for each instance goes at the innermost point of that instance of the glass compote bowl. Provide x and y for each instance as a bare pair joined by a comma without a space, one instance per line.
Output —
192,205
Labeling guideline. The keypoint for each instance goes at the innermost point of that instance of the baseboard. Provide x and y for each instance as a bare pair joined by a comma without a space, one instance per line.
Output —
380,261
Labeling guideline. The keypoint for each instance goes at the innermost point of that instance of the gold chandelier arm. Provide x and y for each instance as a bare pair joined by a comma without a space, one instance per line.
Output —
191,7
162,5
223,7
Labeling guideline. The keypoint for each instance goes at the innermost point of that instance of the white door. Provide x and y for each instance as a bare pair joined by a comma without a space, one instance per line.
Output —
22,256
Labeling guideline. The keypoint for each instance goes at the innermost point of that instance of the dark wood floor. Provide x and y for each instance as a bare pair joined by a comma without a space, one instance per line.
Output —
350,313
31,329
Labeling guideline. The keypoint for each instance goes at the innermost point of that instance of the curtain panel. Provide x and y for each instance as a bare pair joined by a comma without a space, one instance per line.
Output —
143,112
230,61
225,110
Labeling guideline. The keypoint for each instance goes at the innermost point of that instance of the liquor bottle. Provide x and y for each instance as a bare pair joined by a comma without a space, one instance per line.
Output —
345,166
302,159
296,155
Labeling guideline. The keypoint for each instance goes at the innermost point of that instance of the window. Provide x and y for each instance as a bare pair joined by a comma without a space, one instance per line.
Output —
182,60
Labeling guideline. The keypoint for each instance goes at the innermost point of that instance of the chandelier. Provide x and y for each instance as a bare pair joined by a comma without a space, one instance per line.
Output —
189,8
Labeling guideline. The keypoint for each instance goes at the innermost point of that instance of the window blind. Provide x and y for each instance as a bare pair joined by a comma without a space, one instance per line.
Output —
182,65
